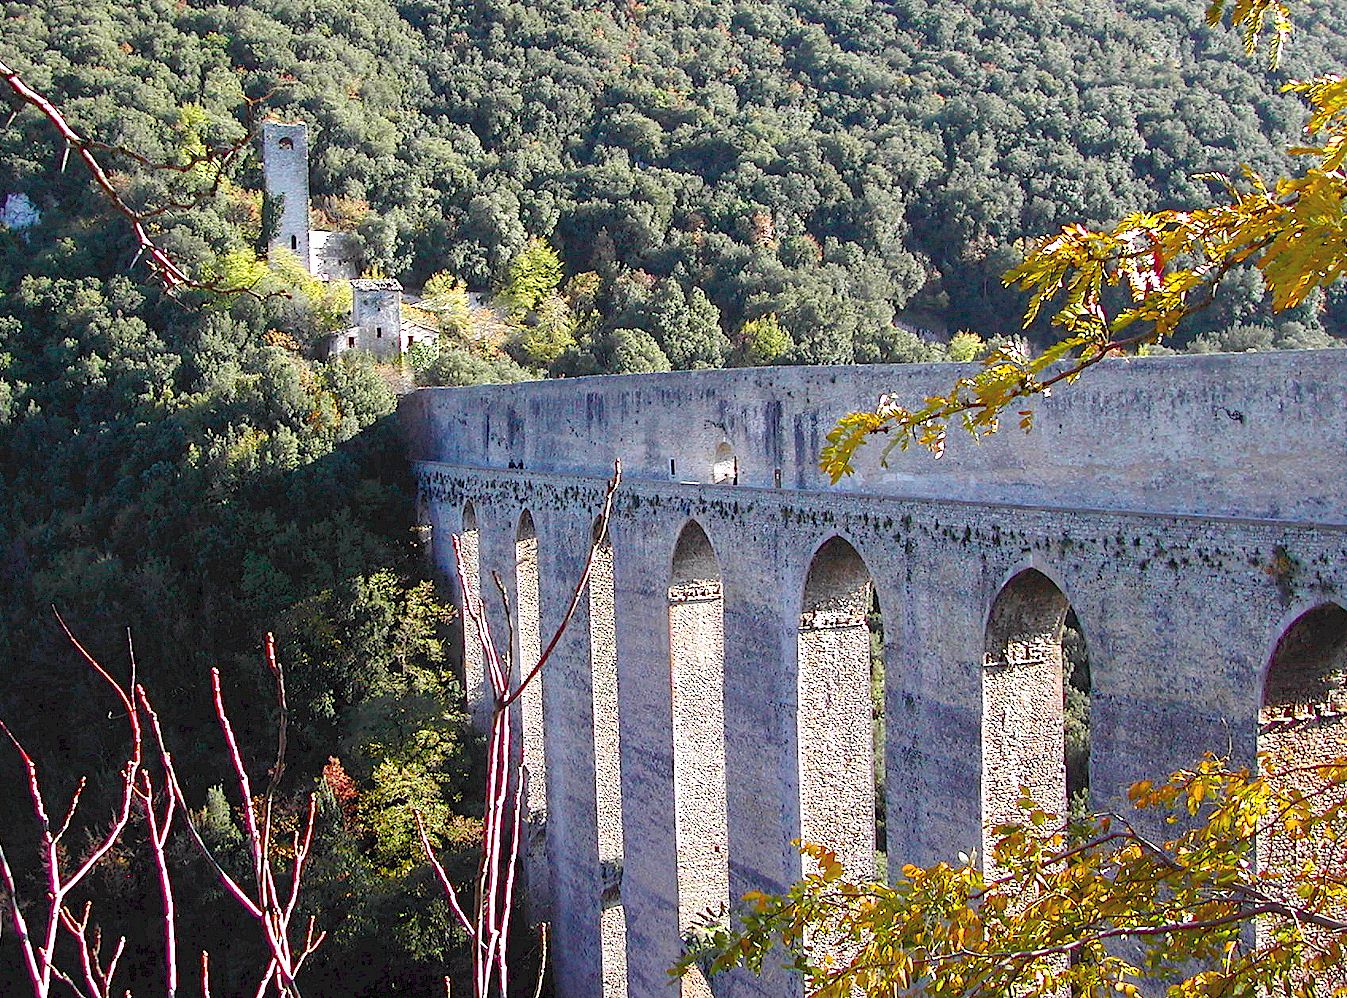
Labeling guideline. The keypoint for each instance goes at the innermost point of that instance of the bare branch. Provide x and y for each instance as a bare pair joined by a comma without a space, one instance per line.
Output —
273,914
498,861
600,532
228,882
435,863
542,959
162,265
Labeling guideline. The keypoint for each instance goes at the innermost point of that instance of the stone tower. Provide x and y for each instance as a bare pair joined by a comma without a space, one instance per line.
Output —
376,316
285,174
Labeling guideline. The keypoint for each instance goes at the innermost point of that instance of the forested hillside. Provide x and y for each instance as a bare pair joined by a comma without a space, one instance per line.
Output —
836,163
746,181
184,468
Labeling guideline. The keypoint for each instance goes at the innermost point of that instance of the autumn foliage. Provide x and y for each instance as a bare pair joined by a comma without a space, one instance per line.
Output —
1115,291
1169,890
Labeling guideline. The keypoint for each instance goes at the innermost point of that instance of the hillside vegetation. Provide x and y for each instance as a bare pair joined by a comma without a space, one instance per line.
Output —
745,181
836,164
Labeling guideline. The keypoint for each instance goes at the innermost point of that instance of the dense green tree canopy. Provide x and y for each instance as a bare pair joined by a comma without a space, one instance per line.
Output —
186,468
839,164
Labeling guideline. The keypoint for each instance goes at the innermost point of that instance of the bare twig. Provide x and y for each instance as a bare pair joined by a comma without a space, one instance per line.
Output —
273,908
39,956
542,959
600,532
162,265
445,883
158,828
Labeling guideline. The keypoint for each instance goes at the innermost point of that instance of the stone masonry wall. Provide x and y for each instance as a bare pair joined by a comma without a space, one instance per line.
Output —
1186,540
285,178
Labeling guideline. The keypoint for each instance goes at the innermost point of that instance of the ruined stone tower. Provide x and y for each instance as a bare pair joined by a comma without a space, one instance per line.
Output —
285,174
376,316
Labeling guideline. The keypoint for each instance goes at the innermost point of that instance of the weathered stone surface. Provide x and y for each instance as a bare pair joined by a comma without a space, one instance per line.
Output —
1189,510
376,318
335,256
285,177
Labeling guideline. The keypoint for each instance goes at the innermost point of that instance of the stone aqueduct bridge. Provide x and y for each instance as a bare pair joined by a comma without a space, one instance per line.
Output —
711,701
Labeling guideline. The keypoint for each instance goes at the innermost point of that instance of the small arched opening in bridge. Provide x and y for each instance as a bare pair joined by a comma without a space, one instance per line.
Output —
607,770
697,687
1302,723
527,630
725,466
840,708
474,678
1035,704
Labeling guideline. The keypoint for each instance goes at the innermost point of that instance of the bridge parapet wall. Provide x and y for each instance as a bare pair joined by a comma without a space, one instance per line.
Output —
1259,435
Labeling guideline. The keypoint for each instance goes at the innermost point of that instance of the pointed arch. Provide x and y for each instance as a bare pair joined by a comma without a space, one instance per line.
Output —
1024,700
1302,722
1302,717
697,684
1307,664
607,769
694,559
836,707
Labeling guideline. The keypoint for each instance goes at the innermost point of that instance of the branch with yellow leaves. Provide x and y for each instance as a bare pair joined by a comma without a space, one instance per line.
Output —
1164,265
1065,894
1252,18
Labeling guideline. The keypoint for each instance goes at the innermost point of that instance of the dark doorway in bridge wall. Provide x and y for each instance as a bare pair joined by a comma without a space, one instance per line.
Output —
725,466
